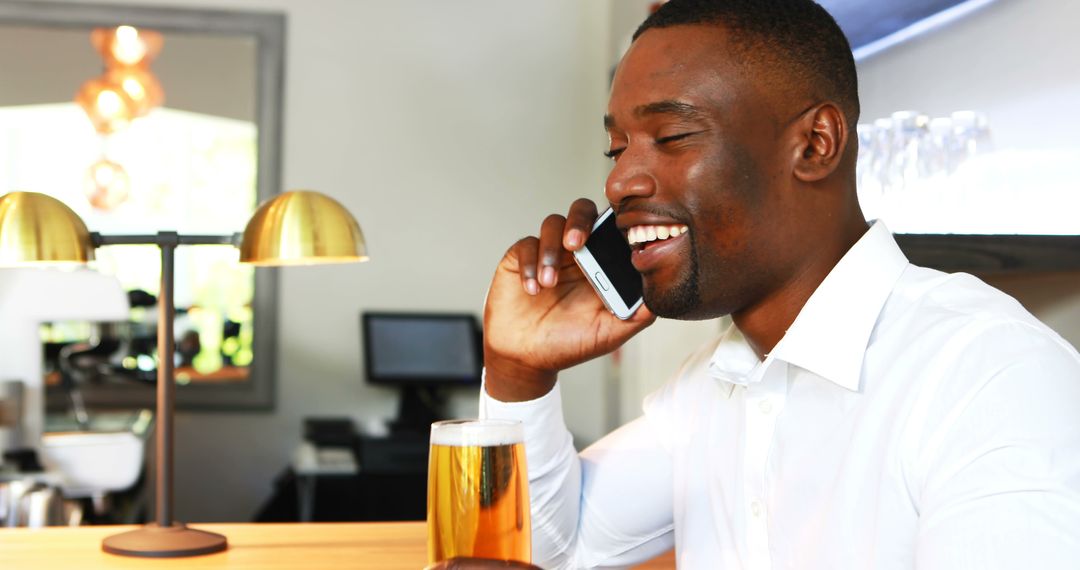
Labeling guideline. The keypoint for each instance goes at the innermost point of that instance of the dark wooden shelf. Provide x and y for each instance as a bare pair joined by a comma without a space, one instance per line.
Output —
992,254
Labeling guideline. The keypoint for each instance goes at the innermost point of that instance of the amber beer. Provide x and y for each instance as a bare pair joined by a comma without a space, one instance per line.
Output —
478,491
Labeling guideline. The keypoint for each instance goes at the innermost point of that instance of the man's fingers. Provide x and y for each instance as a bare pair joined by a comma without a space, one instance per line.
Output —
551,250
540,259
579,222
642,317
463,563
525,250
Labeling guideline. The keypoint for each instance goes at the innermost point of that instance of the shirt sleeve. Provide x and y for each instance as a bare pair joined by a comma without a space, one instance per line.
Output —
609,507
1000,473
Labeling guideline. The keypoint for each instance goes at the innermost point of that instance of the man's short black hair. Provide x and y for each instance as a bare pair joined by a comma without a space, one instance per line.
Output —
796,38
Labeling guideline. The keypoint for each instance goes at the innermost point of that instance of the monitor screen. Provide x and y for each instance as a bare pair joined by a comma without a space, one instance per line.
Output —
421,349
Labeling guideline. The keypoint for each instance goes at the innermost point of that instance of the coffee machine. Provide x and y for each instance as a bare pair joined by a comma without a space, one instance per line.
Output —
30,296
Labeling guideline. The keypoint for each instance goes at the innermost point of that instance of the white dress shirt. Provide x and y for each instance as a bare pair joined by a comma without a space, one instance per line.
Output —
907,419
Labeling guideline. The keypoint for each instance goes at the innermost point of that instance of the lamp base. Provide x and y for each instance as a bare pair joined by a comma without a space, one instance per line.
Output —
153,541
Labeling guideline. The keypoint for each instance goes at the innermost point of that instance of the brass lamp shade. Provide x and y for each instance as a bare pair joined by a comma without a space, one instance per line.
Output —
36,228
300,228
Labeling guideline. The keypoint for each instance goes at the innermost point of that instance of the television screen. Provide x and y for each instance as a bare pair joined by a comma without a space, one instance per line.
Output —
422,349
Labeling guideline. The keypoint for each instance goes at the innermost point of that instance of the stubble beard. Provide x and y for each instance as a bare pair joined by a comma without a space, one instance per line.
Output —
682,299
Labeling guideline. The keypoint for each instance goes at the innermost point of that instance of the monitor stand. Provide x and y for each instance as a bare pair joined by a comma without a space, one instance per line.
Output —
418,407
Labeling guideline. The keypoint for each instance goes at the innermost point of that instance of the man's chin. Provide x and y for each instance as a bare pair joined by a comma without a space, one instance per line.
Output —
676,303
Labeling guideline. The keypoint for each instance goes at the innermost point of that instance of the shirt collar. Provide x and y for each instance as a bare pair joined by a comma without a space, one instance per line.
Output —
734,361
830,334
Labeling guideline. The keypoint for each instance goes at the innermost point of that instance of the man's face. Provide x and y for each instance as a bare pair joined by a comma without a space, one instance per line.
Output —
695,142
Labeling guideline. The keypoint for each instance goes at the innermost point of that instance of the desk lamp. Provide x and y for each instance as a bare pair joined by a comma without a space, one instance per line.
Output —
294,228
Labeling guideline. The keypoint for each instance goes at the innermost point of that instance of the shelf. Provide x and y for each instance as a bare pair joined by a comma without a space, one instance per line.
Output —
985,254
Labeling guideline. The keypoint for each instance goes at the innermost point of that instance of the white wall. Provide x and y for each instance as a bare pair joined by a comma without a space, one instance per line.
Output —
450,129
1016,61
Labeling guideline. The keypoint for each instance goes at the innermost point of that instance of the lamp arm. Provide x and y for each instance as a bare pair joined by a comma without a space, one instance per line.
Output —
165,238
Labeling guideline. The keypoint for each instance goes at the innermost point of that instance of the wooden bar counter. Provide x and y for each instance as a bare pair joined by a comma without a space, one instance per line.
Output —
264,546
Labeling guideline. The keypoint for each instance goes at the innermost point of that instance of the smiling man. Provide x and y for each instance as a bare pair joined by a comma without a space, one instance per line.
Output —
861,412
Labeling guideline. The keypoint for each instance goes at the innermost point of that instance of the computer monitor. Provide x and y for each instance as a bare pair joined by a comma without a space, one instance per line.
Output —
421,353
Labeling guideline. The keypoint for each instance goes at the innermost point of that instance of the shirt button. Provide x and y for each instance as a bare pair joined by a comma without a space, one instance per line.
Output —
765,406
755,507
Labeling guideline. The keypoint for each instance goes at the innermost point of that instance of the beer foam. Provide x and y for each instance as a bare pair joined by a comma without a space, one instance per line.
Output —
484,433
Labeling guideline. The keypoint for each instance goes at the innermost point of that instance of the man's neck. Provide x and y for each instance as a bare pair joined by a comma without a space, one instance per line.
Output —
767,321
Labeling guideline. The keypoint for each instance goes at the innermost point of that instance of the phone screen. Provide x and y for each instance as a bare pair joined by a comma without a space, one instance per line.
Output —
608,246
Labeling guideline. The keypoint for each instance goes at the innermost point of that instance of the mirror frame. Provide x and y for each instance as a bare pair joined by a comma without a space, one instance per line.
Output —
268,28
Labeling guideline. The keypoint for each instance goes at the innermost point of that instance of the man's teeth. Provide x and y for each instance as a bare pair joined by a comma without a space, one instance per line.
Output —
642,234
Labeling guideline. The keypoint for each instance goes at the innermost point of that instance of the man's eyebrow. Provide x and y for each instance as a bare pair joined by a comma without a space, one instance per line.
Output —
683,110
668,107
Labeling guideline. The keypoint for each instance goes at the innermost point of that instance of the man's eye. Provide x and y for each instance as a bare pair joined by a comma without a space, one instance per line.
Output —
615,152
673,138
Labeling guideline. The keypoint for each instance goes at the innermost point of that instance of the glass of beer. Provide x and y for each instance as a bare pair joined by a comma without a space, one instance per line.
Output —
478,492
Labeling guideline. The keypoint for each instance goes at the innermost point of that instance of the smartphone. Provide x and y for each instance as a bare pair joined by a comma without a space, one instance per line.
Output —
605,261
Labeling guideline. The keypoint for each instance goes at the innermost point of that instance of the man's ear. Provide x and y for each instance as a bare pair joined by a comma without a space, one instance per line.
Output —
821,134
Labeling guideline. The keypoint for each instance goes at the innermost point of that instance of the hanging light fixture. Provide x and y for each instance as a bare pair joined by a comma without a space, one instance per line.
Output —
107,185
126,46
141,86
108,106
126,91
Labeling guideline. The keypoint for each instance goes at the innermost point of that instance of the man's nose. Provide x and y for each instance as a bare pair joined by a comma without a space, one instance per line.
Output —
628,180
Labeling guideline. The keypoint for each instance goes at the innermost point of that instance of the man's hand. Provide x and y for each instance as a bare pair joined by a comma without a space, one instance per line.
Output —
460,563
542,316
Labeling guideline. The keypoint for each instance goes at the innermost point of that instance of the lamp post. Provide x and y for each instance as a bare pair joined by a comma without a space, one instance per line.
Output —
165,537
294,228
